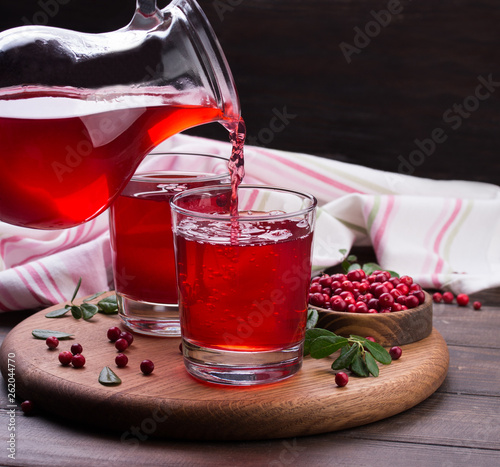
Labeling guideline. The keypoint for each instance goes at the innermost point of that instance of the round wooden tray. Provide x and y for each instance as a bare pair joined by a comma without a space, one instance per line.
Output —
170,403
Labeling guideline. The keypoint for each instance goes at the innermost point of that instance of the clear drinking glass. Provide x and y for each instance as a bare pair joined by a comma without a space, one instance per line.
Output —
243,281
141,238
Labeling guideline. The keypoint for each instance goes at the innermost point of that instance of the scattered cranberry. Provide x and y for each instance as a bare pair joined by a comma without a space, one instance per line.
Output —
370,338
448,297
395,352
27,406
78,360
121,360
476,305
65,357
127,336
341,379
462,299
121,344
114,333
52,342
76,348
437,297
147,367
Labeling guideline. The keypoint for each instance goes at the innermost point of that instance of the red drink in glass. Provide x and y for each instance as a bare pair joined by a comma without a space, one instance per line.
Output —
250,297
141,238
243,281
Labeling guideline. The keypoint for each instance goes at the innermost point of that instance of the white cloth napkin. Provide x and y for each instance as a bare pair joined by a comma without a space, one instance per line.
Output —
445,234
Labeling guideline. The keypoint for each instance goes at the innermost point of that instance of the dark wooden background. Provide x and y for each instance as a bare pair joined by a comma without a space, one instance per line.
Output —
403,85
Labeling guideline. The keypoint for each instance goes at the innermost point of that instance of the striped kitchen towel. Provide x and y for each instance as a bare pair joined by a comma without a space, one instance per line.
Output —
446,234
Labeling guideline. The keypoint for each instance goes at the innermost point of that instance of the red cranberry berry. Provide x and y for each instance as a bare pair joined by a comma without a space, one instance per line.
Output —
412,301
114,333
121,360
341,379
337,303
361,307
127,336
403,288
406,280
52,342
395,352
462,299
121,344
325,281
76,348
65,357
317,299
315,287
437,297
27,407
420,295
386,300
78,360
351,308
147,367
476,305
448,297
370,338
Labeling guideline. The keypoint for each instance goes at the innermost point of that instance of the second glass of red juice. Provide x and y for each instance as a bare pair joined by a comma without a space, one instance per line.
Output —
141,238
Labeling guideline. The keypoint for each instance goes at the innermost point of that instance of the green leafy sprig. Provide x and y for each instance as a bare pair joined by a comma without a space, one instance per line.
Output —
356,353
86,310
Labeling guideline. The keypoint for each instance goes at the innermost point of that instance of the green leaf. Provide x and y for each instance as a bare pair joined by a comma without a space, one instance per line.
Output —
93,297
108,377
57,313
370,267
325,345
44,333
393,273
345,359
108,305
359,366
343,251
312,318
378,352
76,290
88,310
371,364
352,258
76,311
312,334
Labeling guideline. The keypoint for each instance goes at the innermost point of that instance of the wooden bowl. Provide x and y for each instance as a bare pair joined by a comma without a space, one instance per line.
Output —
388,329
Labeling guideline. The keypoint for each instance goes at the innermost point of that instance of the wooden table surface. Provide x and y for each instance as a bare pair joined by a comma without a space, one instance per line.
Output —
458,425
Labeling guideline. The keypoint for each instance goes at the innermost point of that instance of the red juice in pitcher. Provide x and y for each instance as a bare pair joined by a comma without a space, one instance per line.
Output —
64,166
245,297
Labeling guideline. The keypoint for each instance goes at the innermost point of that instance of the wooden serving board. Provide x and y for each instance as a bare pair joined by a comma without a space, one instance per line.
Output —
170,403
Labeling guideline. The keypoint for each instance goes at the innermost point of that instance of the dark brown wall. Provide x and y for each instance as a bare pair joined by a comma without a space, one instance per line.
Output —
423,73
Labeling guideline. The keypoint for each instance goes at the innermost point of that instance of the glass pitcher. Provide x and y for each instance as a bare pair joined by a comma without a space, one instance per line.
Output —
78,111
